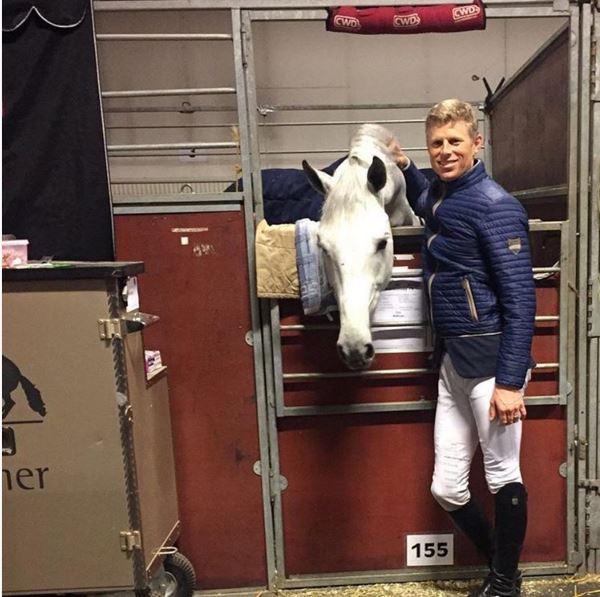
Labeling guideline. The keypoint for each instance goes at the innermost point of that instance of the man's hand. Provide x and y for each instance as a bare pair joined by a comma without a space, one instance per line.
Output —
398,154
507,404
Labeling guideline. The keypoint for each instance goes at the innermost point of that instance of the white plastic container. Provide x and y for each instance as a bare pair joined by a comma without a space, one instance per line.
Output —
14,252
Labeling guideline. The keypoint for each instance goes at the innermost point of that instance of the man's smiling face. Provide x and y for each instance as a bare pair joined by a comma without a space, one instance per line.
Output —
452,149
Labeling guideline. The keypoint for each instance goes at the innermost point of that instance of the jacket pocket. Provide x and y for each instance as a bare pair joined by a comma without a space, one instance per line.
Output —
470,298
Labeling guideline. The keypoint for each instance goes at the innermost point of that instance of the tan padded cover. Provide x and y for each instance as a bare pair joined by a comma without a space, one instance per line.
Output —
276,271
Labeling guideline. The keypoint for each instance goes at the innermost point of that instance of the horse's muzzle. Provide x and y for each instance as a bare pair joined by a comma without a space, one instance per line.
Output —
357,359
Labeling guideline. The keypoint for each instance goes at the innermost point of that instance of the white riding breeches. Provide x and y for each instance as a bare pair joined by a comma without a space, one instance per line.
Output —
461,423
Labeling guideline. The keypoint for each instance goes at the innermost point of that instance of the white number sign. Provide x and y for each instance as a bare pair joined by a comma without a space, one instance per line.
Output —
429,550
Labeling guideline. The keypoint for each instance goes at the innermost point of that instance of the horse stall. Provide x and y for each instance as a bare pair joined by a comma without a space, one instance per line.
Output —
293,471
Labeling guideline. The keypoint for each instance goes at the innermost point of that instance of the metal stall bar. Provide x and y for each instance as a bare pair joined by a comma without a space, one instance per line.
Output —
252,4
542,9
575,525
381,326
378,407
382,576
277,482
594,314
578,213
151,146
588,405
249,158
163,92
163,36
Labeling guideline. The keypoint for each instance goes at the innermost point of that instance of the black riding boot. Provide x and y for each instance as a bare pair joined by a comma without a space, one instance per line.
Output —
511,524
471,520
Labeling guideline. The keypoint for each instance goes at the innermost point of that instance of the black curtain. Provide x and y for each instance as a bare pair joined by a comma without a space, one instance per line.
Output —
55,183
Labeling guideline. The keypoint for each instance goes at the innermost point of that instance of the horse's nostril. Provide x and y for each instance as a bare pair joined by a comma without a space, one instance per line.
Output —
369,351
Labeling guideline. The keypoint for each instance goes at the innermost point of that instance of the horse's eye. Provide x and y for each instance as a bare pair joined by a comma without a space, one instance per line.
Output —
382,244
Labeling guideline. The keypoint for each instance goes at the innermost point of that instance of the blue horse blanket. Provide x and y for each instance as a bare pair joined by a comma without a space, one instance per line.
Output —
287,194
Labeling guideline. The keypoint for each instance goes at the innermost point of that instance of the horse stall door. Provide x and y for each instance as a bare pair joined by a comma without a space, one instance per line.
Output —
196,280
357,454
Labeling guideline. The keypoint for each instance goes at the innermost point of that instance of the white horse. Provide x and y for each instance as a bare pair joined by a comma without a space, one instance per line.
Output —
365,197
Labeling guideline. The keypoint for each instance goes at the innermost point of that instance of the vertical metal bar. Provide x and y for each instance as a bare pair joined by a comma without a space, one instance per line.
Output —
277,570
577,554
252,110
259,373
566,390
277,359
594,263
271,324
585,410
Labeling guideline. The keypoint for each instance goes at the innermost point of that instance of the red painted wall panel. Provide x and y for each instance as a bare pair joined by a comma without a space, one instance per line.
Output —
200,291
358,484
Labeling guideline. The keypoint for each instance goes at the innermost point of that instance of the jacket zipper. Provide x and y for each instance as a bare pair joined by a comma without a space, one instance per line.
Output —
431,239
470,298
429,285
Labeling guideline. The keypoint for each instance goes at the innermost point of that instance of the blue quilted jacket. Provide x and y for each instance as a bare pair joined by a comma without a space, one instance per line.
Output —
476,264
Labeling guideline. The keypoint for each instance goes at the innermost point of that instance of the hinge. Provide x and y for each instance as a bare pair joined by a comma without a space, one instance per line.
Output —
592,512
130,540
277,483
594,58
594,307
579,446
111,328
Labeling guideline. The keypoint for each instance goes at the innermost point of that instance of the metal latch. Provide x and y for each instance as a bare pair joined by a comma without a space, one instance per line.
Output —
130,540
119,327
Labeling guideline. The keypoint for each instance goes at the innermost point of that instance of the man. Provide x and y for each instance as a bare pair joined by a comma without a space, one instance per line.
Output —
477,269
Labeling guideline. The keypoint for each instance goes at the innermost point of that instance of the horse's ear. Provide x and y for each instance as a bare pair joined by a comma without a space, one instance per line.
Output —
320,181
377,175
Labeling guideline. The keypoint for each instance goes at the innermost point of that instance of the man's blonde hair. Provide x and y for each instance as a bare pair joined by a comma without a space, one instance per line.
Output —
453,110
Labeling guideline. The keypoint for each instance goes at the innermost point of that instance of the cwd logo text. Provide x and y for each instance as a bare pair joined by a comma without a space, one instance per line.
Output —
405,21
463,13
346,22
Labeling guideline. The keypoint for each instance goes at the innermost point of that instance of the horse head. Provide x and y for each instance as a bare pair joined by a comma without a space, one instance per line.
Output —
356,240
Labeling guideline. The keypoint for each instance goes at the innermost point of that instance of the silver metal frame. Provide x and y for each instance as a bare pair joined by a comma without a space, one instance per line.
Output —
579,237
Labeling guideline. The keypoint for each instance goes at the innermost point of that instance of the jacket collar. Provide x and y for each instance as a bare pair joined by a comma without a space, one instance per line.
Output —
471,177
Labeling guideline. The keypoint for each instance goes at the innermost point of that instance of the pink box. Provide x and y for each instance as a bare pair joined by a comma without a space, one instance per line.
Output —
14,252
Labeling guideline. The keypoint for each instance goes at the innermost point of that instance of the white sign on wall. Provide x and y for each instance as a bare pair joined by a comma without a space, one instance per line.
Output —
430,550
401,304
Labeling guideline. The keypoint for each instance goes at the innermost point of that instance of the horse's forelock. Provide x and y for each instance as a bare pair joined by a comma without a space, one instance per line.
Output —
350,190
373,133
348,194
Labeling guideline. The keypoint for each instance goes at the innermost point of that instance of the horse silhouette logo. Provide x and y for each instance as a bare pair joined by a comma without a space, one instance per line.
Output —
11,378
